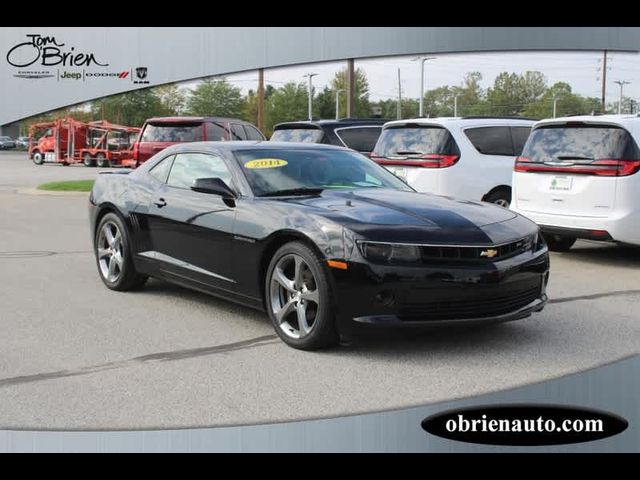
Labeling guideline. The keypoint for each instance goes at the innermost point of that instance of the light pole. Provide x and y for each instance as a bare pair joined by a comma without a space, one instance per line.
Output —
622,83
310,75
555,103
422,60
455,105
338,102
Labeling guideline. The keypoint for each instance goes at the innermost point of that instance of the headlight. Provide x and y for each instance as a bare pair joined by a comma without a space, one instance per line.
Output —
390,253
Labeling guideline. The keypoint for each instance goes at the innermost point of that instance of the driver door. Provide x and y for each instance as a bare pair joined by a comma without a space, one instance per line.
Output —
192,231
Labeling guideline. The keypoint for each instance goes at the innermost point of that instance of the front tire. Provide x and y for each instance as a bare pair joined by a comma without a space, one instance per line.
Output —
112,248
559,243
299,298
38,158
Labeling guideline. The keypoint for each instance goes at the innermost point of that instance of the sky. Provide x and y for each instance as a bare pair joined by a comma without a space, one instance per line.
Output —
582,70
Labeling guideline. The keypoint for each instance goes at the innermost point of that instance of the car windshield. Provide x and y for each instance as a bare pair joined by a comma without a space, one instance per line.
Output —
5,138
414,141
576,143
299,171
306,135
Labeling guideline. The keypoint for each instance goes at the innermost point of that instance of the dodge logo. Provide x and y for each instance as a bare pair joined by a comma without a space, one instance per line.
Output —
141,73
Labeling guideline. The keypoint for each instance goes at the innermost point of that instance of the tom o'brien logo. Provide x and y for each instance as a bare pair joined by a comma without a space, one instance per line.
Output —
38,53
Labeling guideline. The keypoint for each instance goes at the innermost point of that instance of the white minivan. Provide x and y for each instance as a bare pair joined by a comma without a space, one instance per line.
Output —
578,178
470,158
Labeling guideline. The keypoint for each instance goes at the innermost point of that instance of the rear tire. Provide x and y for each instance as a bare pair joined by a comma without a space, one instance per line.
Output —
102,161
299,298
559,243
88,160
112,248
38,158
501,197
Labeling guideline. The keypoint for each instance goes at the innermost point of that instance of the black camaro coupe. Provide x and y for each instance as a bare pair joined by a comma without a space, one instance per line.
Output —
320,237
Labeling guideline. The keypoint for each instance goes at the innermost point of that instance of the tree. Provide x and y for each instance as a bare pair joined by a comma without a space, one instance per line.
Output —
361,100
172,98
250,108
512,92
215,98
324,104
285,104
568,103
131,108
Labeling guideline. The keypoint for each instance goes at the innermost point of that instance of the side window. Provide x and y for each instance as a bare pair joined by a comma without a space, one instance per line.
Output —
238,132
360,139
520,136
160,170
253,133
215,133
187,167
491,140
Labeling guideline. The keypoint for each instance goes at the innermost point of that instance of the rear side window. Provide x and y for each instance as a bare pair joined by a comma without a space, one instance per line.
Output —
161,170
410,141
306,135
215,133
253,133
238,132
361,139
519,136
172,133
582,142
491,140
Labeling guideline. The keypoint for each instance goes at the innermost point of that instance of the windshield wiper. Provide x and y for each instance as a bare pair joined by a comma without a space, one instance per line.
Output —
405,153
573,157
293,191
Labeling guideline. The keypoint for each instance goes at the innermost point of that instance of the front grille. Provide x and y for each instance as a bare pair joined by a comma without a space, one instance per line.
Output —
437,253
489,306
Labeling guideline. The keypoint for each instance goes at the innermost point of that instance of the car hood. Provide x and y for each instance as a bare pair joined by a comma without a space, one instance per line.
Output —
397,216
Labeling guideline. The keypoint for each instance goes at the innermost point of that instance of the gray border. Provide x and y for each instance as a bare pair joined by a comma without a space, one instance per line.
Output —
613,388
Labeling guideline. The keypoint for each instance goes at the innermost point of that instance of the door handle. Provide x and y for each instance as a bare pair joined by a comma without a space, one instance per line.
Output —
161,202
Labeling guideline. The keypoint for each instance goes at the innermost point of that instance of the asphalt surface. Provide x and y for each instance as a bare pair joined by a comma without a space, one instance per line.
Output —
75,355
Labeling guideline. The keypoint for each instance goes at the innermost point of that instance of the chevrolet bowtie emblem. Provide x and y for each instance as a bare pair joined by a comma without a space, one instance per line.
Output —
489,253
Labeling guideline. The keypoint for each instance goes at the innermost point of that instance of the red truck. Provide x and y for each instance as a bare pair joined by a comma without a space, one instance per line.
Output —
68,141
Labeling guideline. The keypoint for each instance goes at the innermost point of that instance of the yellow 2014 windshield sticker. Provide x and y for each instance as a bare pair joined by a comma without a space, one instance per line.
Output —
266,163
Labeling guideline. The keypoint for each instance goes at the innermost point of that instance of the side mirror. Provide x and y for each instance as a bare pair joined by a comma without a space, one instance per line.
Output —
215,186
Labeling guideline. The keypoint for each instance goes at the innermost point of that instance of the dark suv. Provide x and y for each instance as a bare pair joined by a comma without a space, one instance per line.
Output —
161,132
360,134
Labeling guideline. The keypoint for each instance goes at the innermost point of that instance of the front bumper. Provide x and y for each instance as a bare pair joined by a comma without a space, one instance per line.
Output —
447,294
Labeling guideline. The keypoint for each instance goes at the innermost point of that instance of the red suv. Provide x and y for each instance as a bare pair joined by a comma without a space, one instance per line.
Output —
161,132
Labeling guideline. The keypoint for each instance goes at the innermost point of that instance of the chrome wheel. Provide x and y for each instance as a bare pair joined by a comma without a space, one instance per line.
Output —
502,202
294,297
110,252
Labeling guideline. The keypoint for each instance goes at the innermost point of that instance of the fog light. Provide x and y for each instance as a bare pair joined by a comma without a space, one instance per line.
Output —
385,298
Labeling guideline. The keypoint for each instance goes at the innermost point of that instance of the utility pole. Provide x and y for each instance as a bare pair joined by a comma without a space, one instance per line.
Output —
338,102
555,102
351,88
261,99
310,75
422,60
455,105
399,106
604,81
622,83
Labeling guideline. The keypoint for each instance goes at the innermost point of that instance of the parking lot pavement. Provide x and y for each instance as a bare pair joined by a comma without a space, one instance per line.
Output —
76,355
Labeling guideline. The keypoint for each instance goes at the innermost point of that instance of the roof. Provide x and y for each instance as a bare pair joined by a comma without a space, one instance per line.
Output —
621,120
193,119
251,145
342,122
463,121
